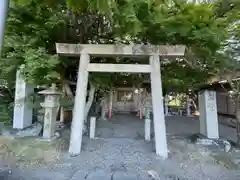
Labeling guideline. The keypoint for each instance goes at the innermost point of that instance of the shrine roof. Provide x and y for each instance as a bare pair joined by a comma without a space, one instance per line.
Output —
220,82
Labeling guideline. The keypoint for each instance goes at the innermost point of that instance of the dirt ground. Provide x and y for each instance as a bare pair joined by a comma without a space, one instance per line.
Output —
120,152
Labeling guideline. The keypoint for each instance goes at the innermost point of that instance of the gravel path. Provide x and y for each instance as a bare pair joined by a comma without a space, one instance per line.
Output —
120,152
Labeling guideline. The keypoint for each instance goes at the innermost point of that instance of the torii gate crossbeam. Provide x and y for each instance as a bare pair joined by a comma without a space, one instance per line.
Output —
87,50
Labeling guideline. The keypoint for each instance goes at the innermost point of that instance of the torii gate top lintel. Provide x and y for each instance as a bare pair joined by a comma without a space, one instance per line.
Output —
119,50
84,51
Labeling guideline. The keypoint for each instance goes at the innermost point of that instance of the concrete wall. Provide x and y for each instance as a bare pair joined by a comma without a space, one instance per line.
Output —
225,104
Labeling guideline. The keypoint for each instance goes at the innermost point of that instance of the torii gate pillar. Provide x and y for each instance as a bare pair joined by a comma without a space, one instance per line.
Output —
158,108
79,106
84,50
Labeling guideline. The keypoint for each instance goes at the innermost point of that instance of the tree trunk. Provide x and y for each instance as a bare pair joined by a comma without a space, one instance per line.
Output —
68,90
90,100
194,104
61,108
62,115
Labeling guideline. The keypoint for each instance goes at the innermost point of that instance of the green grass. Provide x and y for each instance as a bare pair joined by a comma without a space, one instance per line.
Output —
174,102
29,152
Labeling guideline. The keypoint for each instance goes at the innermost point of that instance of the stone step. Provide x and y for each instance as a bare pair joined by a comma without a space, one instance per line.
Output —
121,175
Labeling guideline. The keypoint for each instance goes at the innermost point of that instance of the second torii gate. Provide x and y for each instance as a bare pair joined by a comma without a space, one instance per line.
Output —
87,50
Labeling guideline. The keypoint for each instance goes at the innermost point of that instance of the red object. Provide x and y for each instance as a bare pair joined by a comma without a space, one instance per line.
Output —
140,114
110,114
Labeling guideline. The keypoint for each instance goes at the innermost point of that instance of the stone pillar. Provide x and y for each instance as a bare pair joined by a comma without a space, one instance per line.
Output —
92,127
208,114
139,104
104,108
3,17
79,106
22,115
110,105
147,125
51,104
103,114
140,112
180,112
188,110
157,104
166,106
147,104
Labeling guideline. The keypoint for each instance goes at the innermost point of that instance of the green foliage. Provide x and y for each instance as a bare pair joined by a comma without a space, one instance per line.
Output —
67,103
6,107
6,112
30,40
229,53
39,66
34,27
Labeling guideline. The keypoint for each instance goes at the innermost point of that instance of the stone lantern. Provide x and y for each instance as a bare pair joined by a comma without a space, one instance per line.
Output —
51,103
147,124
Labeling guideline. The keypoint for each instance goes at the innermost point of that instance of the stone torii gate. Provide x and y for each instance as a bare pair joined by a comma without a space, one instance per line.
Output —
87,50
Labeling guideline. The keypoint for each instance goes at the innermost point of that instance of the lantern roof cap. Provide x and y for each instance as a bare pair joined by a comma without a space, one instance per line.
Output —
51,91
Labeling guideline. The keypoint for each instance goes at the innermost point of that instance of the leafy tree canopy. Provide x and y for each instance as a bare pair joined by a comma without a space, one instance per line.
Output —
34,27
